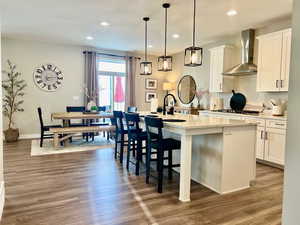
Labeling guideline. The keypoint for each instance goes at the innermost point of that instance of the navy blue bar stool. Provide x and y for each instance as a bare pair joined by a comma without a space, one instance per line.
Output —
136,136
156,141
119,134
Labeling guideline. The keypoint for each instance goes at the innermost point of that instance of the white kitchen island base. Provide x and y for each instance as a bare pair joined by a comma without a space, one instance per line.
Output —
217,153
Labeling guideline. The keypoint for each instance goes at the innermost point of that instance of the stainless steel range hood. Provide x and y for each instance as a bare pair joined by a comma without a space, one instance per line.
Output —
247,67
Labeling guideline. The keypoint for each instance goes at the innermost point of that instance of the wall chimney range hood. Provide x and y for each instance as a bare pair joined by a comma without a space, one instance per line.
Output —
247,67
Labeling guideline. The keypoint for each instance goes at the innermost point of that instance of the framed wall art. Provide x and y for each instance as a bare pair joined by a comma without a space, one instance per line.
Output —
149,96
151,84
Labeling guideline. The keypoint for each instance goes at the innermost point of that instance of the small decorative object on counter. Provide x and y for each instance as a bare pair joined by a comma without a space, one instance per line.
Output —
13,90
278,107
94,108
200,93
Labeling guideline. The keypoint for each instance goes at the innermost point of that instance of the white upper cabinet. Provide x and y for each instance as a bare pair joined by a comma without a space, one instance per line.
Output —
274,52
222,58
286,59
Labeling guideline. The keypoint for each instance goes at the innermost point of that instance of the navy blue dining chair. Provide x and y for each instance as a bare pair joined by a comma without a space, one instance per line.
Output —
45,129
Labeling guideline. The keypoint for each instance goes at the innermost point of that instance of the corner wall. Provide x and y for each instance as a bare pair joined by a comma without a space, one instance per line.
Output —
291,215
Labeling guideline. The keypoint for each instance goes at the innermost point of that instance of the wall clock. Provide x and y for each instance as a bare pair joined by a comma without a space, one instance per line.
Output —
48,77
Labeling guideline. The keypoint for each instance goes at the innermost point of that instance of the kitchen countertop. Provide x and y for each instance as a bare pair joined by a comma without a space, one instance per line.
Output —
199,122
260,116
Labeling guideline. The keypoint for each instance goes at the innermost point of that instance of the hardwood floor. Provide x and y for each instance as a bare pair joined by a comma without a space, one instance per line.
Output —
91,188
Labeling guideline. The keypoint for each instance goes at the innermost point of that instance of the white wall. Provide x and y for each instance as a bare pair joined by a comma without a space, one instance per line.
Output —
246,85
140,82
27,55
291,215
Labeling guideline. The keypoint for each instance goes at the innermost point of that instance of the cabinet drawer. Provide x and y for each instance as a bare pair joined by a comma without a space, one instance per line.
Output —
260,122
276,124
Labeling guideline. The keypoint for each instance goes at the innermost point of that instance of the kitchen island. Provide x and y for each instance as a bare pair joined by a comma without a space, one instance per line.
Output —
215,152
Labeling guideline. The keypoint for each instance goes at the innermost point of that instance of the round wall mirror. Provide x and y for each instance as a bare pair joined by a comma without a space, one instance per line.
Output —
186,89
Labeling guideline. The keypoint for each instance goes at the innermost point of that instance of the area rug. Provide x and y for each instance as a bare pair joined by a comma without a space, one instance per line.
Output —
77,145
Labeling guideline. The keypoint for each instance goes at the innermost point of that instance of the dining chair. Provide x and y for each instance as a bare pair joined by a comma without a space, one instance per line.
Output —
132,109
81,124
76,109
156,141
45,129
104,122
136,136
120,134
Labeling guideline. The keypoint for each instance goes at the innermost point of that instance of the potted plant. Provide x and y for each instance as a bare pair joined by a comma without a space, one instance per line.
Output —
13,90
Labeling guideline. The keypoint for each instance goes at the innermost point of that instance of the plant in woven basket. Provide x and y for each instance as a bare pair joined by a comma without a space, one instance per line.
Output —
13,87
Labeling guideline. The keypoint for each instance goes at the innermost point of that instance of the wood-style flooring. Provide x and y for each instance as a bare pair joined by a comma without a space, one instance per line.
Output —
91,188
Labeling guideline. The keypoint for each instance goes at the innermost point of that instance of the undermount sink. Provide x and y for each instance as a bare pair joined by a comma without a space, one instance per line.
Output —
174,120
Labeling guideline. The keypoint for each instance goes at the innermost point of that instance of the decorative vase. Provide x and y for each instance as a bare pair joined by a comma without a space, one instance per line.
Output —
90,105
11,135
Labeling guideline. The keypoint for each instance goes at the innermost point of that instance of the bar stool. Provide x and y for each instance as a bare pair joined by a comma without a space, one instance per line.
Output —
120,134
156,141
136,136
132,109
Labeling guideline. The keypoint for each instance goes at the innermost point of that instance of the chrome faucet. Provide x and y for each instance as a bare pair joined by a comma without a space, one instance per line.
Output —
164,109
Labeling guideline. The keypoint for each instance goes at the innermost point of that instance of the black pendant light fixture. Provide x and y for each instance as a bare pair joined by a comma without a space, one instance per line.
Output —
193,55
165,62
146,67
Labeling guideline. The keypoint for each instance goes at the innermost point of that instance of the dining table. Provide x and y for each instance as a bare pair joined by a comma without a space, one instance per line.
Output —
67,116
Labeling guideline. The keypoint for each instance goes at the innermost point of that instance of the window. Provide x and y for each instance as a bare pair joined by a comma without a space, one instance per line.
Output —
112,79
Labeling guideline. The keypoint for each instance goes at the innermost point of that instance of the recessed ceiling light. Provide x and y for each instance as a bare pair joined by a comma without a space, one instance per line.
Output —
89,38
231,12
175,36
150,46
105,24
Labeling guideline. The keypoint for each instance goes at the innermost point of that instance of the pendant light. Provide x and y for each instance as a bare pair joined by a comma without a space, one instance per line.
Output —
146,67
193,55
165,62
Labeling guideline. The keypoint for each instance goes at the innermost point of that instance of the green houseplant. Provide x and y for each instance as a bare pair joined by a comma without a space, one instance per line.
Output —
13,88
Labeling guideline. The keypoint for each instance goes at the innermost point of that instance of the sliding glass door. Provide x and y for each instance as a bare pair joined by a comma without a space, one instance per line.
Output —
112,80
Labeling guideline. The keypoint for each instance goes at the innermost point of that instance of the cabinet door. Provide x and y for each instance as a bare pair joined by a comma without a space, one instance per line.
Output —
275,145
260,143
269,62
286,60
216,69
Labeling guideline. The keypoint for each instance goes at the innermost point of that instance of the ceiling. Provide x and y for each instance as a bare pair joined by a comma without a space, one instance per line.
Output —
70,21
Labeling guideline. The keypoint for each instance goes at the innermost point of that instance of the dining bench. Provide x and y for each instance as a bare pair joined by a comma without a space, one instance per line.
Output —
63,133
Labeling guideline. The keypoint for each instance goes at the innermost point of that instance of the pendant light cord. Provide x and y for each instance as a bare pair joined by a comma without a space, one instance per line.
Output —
194,26
146,31
166,23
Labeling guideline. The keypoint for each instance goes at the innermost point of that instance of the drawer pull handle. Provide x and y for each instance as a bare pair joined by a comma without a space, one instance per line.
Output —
279,124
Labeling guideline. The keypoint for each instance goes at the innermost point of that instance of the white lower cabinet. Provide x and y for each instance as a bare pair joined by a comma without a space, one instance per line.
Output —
260,143
275,145
270,136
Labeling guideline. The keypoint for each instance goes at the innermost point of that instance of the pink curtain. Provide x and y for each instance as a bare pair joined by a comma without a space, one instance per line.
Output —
119,92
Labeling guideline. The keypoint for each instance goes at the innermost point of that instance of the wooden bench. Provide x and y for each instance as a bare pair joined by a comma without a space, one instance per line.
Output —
70,131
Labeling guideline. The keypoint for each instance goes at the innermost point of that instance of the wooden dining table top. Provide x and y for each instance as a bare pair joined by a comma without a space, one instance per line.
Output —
80,115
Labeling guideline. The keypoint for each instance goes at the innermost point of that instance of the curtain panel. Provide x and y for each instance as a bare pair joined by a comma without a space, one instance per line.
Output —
90,77
131,63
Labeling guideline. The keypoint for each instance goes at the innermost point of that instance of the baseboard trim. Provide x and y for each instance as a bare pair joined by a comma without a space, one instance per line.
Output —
2,198
29,136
